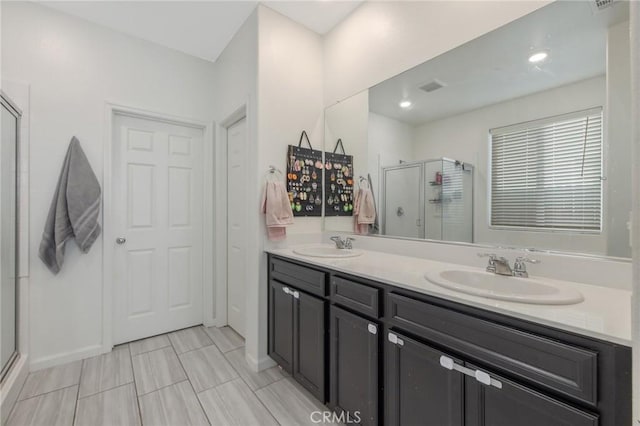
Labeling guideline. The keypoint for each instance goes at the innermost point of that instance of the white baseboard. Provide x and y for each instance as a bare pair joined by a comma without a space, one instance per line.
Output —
259,365
63,358
12,385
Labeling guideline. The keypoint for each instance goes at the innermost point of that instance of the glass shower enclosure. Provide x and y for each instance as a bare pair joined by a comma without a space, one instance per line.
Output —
429,199
10,127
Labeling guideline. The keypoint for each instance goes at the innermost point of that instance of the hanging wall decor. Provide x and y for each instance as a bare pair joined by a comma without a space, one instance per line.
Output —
338,182
304,178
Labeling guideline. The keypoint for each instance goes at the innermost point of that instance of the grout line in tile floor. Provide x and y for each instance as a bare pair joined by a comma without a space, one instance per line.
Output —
237,369
191,384
75,409
135,387
46,393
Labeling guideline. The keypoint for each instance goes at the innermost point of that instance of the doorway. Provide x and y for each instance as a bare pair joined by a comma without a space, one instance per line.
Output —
157,196
237,210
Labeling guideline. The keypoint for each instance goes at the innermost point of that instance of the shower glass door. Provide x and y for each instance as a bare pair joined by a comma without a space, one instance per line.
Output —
8,226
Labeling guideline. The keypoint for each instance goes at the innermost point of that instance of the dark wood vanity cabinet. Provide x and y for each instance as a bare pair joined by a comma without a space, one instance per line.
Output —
309,343
396,357
354,365
515,404
281,326
418,390
298,330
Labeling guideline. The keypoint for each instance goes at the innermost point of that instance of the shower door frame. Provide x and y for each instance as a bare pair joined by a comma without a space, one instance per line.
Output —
17,113
383,197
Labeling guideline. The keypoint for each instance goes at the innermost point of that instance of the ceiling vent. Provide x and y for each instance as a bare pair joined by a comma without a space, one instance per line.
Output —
432,86
603,4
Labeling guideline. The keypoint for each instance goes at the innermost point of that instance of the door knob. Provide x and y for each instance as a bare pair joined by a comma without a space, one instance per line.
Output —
121,240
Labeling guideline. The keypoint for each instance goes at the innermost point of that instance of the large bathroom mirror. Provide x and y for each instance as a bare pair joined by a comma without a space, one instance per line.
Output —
519,138
10,127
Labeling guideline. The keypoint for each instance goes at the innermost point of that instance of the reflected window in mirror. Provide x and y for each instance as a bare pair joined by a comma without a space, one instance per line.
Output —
547,174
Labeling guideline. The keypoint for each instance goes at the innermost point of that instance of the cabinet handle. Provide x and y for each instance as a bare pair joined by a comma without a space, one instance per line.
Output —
286,290
372,329
479,375
393,338
295,294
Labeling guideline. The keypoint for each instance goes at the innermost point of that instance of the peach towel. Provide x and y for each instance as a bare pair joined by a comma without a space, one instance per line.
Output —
277,209
364,211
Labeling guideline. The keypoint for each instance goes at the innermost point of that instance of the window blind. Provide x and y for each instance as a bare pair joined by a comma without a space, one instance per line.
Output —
547,174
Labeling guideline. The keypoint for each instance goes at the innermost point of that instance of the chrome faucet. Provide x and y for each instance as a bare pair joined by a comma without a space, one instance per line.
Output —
343,244
520,266
500,265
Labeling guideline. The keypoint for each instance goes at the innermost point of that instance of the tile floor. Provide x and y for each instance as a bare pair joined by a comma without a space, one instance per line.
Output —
195,376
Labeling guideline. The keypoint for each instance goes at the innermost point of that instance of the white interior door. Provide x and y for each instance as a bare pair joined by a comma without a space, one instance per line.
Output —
157,194
236,224
403,201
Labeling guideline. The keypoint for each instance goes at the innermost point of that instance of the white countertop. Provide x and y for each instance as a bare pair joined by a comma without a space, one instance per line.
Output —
604,314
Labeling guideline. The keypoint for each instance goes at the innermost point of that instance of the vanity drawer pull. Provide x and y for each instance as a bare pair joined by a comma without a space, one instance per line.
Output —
393,338
479,375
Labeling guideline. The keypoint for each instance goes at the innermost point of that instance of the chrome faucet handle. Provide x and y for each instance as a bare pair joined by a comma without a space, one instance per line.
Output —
520,266
348,243
491,266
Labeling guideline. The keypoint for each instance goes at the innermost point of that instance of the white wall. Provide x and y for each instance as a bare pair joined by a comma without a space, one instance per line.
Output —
383,38
618,141
290,99
390,141
235,95
348,120
74,67
465,137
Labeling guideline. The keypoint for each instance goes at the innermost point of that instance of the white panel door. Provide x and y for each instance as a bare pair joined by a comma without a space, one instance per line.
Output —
157,193
237,208
402,202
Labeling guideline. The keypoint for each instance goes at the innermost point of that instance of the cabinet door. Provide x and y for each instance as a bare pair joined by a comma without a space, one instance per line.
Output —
281,325
354,367
515,404
309,343
418,390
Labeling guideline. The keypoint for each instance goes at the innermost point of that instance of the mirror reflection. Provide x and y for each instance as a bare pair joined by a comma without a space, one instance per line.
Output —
519,138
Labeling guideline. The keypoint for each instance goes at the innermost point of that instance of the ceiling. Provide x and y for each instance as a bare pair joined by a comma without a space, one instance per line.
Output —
495,67
199,28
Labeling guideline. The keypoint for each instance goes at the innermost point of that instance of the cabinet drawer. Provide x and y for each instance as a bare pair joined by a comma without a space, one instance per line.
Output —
359,297
307,279
562,368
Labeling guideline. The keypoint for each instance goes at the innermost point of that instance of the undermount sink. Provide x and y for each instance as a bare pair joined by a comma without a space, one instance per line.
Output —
500,287
327,251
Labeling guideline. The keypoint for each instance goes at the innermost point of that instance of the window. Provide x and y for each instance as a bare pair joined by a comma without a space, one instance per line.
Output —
547,174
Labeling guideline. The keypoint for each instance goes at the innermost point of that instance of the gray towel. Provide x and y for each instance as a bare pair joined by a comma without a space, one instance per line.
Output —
74,210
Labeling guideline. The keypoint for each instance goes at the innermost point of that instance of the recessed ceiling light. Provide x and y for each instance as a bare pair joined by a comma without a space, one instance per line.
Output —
538,57
405,104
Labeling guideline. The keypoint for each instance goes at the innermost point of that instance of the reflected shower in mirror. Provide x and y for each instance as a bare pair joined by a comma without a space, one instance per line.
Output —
8,226
519,138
